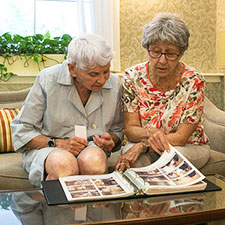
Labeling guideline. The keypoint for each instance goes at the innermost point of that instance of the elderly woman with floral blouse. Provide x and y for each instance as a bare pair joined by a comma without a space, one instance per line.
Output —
163,98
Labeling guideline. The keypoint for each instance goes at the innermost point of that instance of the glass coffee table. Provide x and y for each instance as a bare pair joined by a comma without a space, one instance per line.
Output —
30,208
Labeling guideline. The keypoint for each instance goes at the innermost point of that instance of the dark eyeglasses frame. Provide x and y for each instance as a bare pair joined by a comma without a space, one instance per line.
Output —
165,53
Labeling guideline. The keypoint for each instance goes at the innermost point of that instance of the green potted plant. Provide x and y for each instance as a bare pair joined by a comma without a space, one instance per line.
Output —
4,74
19,53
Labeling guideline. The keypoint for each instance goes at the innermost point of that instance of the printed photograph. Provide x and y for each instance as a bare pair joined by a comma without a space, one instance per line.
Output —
156,182
77,182
80,187
153,178
180,171
155,172
104,182
111,190
188,179
81,194
171,165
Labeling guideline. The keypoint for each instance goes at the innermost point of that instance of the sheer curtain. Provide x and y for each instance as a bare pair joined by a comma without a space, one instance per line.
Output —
82,28
102,17
105,22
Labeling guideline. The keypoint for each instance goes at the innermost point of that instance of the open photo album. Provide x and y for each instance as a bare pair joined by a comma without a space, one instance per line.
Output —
171,173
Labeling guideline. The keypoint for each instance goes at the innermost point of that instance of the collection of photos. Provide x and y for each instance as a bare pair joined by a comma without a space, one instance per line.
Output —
176,172
173,171
93,187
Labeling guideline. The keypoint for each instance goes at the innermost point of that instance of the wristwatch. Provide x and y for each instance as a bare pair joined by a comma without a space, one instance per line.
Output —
51,142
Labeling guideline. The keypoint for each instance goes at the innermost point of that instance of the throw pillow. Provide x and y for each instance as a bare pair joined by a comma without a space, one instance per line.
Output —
6,116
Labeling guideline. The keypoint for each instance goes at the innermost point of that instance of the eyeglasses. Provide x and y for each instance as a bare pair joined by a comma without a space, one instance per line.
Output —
158,54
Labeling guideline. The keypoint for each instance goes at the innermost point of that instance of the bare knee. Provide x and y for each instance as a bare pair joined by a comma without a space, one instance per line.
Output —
92,161
60,163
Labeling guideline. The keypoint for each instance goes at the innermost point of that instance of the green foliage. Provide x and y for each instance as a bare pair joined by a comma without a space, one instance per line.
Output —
35,44
4,75
31,47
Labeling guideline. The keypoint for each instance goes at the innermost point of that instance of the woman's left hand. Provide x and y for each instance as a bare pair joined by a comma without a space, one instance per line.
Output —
104,142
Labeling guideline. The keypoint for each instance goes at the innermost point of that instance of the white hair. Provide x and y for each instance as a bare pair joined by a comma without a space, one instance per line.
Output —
88,51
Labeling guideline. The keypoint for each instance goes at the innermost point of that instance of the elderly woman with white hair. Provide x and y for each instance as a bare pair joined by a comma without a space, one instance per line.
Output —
80,91
163,98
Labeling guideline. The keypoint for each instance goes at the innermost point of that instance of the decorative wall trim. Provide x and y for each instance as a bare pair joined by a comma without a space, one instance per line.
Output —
215,83
213,77
29,78
20,79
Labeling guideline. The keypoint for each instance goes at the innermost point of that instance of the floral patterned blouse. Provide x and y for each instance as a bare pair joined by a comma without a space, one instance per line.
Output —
165,110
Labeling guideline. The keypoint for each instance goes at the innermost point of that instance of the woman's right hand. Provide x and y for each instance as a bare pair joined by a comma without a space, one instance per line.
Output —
157,140
74,144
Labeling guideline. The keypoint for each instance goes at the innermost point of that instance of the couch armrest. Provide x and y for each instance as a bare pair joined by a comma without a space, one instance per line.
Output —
214,124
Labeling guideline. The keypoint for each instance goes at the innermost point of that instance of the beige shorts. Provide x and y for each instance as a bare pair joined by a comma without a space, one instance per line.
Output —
34,163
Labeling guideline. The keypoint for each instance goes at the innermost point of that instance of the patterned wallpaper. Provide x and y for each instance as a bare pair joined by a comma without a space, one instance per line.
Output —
204,19
200,17
220,30
220,15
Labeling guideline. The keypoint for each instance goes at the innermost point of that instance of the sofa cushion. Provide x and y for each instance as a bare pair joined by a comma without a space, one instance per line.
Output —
13,99
12,174
6,116
215,165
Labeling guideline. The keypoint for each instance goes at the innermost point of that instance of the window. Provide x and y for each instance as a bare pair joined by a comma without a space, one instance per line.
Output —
28,17
58,17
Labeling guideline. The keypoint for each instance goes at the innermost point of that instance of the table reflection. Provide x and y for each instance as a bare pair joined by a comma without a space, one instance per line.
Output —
149,208
31,208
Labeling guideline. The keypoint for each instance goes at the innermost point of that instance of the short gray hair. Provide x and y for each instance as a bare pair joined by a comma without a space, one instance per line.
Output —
88,51
166,27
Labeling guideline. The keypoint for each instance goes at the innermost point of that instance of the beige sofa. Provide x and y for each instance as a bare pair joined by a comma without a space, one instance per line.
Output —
12,175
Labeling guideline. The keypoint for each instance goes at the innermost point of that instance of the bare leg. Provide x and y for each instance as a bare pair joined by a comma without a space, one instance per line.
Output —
92,160
60,163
